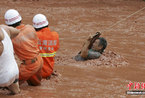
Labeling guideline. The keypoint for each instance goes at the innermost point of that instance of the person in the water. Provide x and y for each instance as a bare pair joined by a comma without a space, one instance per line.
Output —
93,48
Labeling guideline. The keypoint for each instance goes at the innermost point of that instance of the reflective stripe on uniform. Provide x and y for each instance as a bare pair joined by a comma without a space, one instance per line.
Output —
48,54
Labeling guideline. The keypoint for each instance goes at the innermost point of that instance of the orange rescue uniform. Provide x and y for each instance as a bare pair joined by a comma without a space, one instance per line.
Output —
26,48
48,45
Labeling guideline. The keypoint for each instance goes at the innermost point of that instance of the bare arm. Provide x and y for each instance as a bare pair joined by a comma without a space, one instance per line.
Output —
1,45
13,32
1,35
84,51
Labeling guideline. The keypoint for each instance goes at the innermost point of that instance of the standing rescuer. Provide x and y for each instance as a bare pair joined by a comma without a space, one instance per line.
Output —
26,48
48,43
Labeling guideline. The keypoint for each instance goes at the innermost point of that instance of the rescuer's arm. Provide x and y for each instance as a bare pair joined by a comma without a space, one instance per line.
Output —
13,32
1,35
1,45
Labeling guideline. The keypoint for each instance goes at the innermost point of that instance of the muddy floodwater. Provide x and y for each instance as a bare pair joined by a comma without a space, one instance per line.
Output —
121,22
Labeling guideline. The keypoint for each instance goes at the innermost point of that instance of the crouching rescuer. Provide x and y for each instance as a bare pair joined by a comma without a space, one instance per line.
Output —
26,48
48,44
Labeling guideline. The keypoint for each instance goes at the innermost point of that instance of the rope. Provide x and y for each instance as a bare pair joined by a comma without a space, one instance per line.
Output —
111,27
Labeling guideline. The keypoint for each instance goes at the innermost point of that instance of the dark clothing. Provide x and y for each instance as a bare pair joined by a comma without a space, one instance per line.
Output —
91,55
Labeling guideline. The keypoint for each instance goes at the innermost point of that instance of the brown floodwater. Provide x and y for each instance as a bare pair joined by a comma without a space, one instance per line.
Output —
122,62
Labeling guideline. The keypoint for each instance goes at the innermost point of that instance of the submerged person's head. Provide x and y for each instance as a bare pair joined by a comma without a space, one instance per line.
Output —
12,18
40,21
100,44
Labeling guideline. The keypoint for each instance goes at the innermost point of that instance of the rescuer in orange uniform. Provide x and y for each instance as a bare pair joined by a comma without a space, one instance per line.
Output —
26,48
48,44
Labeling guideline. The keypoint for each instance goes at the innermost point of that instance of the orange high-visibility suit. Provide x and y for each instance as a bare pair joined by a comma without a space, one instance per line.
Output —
48,45
26,48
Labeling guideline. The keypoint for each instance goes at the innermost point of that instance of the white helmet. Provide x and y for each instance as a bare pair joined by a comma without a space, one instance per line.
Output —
40,21
12,16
